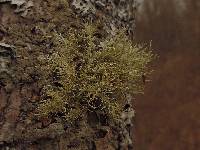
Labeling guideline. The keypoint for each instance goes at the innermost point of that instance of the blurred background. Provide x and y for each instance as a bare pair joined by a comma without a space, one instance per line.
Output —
168,115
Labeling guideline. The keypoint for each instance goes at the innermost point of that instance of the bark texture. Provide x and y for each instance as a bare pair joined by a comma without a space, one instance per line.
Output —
20,23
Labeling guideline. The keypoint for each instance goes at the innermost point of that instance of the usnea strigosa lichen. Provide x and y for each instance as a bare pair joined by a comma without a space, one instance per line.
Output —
85,73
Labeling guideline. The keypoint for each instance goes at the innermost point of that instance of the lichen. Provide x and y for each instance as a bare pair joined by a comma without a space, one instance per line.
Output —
23,6
113,13
81,75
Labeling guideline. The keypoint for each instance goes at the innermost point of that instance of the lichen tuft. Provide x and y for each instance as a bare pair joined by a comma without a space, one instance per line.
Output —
86,73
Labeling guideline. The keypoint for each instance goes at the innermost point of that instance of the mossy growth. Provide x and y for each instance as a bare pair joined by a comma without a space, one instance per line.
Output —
86,73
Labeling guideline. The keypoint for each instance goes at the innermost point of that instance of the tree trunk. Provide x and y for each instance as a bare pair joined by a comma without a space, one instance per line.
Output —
20,21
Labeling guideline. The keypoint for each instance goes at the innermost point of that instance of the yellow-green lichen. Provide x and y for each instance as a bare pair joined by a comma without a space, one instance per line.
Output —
87,73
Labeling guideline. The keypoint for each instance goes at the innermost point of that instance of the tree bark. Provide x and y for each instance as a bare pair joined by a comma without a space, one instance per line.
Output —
18,131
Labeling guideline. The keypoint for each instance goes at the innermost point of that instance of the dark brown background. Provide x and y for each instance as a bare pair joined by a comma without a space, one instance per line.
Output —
168,115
